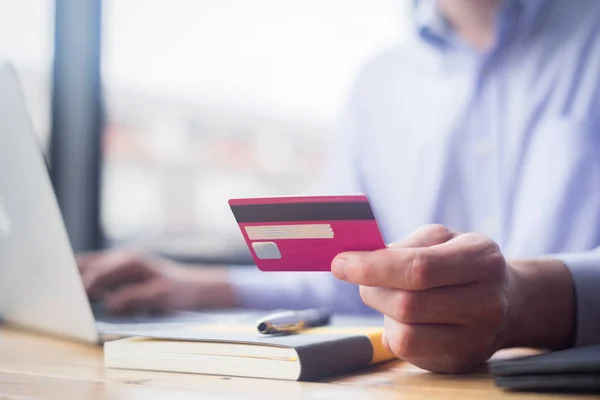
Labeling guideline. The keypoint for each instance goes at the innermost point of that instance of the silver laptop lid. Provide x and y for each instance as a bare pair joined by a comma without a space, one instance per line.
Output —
40,285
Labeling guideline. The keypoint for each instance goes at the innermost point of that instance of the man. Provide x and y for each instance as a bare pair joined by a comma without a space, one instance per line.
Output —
487,121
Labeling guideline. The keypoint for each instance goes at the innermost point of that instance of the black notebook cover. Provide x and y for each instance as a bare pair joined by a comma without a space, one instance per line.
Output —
576,369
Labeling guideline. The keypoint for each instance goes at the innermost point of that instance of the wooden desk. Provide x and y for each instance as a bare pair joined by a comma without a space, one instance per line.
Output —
39,367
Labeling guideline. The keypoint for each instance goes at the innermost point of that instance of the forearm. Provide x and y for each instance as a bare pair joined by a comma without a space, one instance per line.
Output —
543,310
206,287
261,290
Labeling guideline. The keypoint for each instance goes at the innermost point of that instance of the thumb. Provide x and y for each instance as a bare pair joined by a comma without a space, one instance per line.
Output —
426,236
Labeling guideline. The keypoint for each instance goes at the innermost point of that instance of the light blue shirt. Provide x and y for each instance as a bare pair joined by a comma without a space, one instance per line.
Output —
506,144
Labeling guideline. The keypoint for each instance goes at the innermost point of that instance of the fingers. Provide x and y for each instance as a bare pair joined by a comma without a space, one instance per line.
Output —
105,272
459,261
436,348
458,305
425,236
396,268
149,296
85,259
385,342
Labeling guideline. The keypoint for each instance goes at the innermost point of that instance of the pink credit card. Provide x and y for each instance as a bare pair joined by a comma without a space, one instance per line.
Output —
305,233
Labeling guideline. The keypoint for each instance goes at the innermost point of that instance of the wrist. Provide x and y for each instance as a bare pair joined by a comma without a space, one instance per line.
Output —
207,287
542,305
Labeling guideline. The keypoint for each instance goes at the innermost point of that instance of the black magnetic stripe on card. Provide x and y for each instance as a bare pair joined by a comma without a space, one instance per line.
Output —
327,211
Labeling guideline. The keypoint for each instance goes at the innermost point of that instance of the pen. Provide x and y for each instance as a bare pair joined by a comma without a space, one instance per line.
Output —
293,321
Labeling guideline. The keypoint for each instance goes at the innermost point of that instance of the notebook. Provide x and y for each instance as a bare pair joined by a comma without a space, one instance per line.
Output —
573,370
240,350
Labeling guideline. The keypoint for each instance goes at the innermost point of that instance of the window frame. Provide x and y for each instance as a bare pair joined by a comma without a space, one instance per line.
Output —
75,137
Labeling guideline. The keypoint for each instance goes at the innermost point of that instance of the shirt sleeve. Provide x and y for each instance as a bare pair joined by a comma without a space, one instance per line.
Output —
290,290
585,270
259,290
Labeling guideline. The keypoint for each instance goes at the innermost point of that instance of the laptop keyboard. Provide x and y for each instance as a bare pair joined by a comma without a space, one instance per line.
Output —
144,321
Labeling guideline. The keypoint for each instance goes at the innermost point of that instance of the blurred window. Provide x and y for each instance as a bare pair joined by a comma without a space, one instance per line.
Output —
212,99
27,41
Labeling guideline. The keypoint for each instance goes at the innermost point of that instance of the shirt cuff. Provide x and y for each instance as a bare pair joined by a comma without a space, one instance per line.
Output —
585,270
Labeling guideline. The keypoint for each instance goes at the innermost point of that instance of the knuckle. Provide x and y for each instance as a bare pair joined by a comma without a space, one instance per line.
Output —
405,307
495,261
436,230
490,255
400,344
420,270
477,239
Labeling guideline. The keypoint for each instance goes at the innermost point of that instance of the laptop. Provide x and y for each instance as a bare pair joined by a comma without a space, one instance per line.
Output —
40,285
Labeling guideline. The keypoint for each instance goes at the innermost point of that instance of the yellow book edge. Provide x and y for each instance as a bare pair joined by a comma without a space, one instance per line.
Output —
374,334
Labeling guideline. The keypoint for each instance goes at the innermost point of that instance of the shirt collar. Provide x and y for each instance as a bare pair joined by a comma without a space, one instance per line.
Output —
435,29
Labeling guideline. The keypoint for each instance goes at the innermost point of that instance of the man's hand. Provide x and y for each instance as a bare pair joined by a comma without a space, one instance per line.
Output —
129,282
451,300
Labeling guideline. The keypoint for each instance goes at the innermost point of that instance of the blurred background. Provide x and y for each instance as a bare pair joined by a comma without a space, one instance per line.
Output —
153,113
